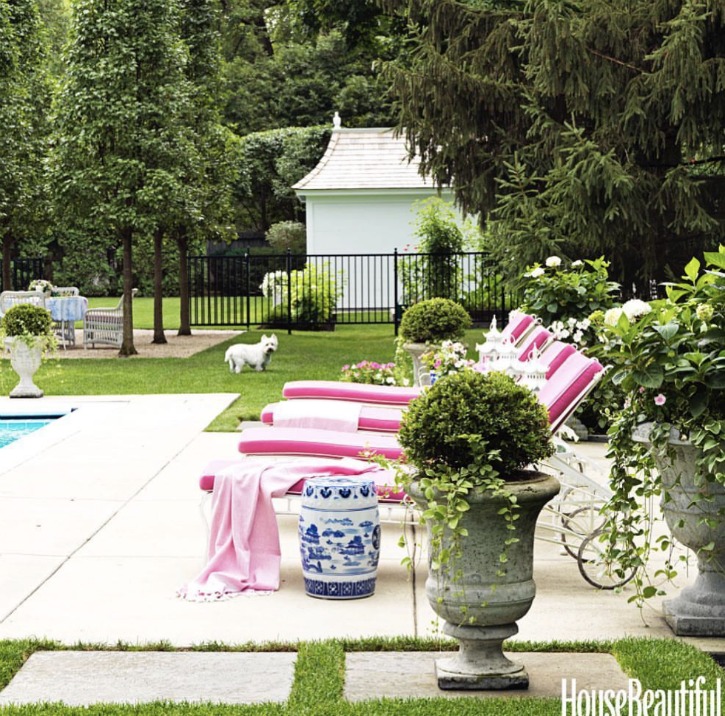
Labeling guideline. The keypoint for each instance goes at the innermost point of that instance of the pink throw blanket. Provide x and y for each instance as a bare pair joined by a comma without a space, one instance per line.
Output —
244,551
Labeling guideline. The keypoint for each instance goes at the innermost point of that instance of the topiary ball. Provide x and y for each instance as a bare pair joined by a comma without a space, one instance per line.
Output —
27,319
507,416
434,320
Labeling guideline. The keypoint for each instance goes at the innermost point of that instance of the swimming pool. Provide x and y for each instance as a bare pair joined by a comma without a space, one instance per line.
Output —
12,429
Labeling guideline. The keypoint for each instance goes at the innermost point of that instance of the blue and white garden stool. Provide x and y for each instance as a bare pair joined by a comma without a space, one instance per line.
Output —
339,532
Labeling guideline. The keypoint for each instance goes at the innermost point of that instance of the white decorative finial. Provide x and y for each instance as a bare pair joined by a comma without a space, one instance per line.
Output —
336,121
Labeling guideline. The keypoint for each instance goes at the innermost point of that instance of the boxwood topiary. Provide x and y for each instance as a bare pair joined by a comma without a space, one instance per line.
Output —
27,320
434,320
512,424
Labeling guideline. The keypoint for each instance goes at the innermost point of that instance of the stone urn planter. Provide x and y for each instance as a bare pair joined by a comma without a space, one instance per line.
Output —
479,602
695,515
420,373
25,358
470,441
427,324
27,330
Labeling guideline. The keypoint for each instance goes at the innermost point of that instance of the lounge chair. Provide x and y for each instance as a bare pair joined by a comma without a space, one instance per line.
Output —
357,392
318,442
561,395
319,413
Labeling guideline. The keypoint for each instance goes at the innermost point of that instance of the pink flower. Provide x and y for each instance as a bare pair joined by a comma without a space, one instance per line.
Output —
660,399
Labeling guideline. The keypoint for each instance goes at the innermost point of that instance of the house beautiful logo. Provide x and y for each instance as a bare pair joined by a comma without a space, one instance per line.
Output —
691,699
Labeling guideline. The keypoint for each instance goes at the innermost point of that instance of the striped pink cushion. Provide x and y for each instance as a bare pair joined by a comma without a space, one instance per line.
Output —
563,392
535,339
358,392
372,417
318,443
554,356
517,325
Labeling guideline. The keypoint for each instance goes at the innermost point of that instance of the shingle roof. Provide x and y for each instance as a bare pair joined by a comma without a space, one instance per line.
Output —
365,159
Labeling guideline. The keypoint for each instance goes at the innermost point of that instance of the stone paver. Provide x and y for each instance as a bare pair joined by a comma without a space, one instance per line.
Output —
79,678
376,675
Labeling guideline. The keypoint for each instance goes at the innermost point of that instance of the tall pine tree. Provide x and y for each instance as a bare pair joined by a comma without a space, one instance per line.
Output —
580,127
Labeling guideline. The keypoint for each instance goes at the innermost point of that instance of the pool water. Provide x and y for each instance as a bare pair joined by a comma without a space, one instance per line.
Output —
12,429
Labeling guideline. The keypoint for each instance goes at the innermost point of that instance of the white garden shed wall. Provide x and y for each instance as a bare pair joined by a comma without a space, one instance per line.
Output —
363,198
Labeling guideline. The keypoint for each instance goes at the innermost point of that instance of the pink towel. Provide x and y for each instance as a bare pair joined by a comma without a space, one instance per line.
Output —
244,551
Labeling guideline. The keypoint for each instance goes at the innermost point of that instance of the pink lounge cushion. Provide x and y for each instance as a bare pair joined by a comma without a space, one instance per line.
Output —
554,356
372,417
517,325
319,443
563,392
357,392
535,339
384,481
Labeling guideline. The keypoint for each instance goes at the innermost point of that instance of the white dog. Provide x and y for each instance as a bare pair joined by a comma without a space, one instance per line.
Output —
256,355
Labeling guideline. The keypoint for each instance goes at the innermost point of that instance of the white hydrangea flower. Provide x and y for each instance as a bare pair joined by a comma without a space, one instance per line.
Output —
535,273
612,316
577,264
635,308
553,262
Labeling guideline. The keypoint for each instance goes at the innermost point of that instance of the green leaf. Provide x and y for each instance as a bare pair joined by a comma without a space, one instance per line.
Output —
668,331
692,269
649,377
715,258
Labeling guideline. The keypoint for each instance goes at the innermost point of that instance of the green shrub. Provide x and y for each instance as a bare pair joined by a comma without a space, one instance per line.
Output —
436,272
464,412
434,320
27,319
313,292
285,235
559,290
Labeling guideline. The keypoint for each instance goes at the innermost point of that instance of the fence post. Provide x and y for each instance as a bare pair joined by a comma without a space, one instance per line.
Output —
249,286
289,292
396,310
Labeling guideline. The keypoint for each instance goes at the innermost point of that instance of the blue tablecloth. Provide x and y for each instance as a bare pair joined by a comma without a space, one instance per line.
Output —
67,308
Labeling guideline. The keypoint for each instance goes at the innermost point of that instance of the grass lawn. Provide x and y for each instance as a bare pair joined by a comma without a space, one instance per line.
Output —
320,673
302,355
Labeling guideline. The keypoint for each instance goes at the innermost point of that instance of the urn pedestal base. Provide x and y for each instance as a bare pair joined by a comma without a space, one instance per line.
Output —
699,610
25,360
480,663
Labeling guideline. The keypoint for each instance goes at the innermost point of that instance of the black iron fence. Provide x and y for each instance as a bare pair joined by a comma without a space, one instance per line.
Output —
22,272
318,291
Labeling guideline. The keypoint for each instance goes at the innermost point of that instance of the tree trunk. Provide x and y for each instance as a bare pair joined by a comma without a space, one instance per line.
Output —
127,347
184,308
159,336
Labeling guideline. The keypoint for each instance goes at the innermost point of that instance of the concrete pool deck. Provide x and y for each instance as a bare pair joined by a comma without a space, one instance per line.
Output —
100,524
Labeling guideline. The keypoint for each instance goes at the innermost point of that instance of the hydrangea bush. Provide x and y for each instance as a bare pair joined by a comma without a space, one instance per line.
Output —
669,358
559,290
572,299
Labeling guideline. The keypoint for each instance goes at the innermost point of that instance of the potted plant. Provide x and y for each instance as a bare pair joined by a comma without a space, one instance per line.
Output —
28,333
429,323
669,440
42,286
471,441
